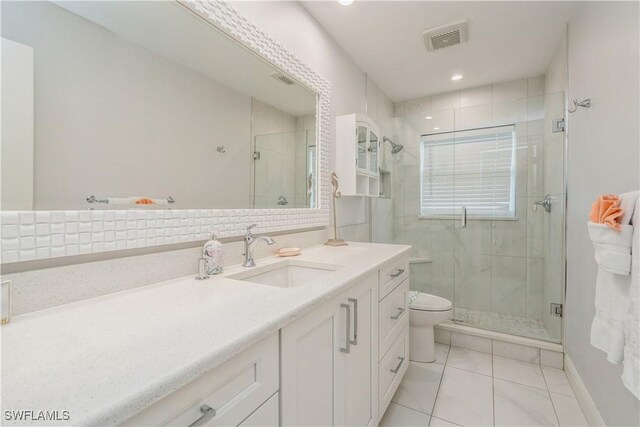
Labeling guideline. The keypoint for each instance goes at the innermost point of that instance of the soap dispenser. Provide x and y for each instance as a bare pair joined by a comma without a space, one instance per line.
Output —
212,252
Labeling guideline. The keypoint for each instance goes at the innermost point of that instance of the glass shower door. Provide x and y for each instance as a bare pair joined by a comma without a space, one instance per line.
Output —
490,271
509,259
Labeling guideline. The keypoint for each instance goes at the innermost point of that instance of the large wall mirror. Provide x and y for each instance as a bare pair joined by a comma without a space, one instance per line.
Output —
126,113
146,103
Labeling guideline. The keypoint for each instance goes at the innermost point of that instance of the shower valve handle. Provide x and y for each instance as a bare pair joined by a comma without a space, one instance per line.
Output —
545,203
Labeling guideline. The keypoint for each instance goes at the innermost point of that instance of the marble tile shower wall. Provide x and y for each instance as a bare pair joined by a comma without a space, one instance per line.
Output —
493,266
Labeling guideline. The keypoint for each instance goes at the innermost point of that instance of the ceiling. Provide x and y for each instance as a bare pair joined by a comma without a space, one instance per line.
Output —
507,40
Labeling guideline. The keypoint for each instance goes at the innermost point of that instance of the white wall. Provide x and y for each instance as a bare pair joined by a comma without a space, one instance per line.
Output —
602,158
115,120
17,126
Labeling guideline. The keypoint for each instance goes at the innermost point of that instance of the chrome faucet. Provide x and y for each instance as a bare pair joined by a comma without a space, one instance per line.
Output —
249,240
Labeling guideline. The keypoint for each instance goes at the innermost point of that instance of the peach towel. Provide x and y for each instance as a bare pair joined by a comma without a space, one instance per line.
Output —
145,201
607,210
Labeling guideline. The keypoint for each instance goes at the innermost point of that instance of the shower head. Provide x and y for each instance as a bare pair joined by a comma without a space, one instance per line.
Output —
395,148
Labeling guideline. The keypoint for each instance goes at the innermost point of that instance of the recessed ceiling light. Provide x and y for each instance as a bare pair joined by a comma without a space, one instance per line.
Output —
345,2
456,77
436,128
428,117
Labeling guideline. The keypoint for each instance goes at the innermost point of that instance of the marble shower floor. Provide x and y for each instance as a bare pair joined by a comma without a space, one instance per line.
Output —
469,388
502,323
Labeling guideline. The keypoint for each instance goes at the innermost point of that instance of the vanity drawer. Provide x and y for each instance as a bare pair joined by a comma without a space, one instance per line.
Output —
392,368
394,316
268,415
234,390
392,274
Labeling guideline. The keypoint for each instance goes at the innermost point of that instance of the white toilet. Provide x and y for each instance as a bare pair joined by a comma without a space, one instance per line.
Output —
425,311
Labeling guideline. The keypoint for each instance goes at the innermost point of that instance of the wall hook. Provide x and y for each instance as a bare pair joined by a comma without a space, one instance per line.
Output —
586,103
221,149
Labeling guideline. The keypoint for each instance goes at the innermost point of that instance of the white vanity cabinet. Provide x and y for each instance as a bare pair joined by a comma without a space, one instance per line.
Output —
359,142
241,391
337,365
329,361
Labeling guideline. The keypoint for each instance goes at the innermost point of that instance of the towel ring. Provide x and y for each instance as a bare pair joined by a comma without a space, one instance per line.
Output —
585,103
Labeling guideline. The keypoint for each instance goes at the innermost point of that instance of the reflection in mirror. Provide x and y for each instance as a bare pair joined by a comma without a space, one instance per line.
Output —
143,103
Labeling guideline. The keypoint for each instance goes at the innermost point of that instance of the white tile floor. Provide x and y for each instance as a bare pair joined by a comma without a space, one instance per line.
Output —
469,388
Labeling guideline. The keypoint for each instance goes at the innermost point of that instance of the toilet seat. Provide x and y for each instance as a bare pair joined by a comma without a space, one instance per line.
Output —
426,302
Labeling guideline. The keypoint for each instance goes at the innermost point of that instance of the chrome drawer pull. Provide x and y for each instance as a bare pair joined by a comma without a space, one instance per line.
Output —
347,349
397,273
355,321
395,371
207,414
398,314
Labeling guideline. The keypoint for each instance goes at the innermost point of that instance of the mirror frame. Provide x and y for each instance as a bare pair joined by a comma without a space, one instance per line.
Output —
38,235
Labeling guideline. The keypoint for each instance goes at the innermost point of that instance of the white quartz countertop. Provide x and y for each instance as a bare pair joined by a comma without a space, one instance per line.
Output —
107,358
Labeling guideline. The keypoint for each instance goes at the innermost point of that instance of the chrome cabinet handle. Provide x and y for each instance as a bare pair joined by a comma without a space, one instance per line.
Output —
395,371
207,414
397,273
347,349
398,314
355,320
463,220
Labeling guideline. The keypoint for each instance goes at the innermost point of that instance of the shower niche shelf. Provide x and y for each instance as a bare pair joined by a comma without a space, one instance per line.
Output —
358,143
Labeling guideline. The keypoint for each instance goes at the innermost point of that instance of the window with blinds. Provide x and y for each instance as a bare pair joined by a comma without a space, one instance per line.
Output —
474,169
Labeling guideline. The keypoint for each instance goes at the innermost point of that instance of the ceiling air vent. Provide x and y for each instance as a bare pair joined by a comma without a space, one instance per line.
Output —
283,78
446,35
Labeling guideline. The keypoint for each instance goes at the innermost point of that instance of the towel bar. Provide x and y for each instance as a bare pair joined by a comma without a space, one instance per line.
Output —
93,199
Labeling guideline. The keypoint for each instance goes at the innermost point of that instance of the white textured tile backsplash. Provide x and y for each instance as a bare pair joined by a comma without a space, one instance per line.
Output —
71,233
48,287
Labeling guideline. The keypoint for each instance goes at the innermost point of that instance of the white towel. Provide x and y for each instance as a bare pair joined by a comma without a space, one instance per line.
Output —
631,371
627,203
613,248
118,201
613,255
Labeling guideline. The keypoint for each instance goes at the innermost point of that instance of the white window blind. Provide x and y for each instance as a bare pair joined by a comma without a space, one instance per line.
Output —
474,169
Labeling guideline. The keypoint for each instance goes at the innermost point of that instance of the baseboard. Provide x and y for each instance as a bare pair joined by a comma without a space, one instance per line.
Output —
585,401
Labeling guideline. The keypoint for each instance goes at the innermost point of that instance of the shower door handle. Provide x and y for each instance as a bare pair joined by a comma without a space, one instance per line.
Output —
463,219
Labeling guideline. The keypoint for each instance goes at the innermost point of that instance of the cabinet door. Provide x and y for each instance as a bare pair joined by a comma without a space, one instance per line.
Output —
311,391
374,144
362,153
361,362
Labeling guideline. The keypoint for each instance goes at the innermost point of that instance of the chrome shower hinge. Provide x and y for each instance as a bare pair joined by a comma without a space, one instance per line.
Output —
557,125
556,309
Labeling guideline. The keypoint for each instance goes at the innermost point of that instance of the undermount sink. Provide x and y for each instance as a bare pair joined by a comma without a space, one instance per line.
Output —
286,274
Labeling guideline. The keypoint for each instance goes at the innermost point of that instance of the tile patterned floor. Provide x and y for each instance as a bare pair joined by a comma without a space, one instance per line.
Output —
502,323
469,388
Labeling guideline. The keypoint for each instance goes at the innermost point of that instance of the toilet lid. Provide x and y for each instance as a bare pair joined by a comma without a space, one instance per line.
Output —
427,302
